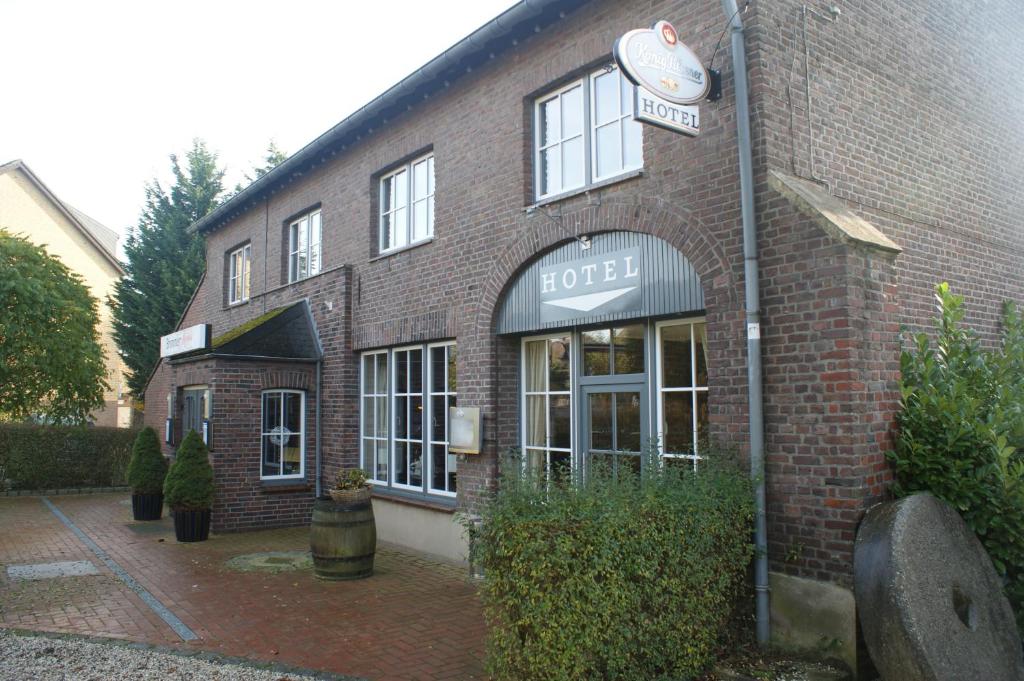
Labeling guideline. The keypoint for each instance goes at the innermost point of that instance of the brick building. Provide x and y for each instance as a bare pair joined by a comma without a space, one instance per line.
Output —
406,261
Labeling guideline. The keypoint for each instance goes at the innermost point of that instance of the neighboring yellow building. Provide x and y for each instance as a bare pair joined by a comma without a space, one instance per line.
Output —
30,209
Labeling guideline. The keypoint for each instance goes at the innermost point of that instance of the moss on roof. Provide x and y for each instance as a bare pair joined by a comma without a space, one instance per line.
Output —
241,329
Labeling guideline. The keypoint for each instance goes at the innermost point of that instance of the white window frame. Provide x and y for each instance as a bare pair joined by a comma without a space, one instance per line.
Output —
392,437
412,200
302,433
560,142
311,248
547,393
693,389
242,279
448,395
589,129
620,121
369,458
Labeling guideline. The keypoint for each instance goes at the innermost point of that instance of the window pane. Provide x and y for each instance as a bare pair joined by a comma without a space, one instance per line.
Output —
601,421
381,415
291,455
430,216
416,371
439,418
387,194
559,364
430,175
702,416
561,465
246,273
677,424
401,464
401,372
416,417
572,163
271,411
314,259
560,422
572,112
415,464
401,417
453,465
549,128
438,460
419,180
438,363
368,374
632,144
676,370
550,170
629,349
401,189
536,460
368,416
700,333
293,412
400,228
536,421
382,373
314,228
271,459
606,97
536,360
608,150
627,421
382,459
420,228
596,352
626,88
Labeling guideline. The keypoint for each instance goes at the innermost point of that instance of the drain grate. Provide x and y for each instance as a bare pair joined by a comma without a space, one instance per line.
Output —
67,568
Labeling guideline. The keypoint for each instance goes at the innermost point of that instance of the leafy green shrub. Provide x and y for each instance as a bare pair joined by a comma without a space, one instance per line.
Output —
148,467
961,432
189,483
39,457
613,579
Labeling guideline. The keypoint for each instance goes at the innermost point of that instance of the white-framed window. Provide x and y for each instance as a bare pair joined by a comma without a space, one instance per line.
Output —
547,403
407,204
585,133
441,381
374,408
405,396
240,266
304,247
682,388
283,434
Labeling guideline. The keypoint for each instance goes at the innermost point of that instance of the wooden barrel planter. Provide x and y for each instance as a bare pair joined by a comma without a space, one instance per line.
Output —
343,537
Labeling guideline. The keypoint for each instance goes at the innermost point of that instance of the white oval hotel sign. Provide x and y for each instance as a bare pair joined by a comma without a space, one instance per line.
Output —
656,59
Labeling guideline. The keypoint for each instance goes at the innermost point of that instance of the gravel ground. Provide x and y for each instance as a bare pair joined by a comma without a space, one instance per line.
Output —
32,657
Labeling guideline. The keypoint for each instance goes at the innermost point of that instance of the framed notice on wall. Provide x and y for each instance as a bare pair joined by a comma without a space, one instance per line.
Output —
464,424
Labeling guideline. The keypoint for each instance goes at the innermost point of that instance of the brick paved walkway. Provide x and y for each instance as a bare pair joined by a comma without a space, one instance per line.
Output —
415,619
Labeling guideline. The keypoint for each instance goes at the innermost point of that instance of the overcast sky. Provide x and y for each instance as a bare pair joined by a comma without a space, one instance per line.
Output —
96,95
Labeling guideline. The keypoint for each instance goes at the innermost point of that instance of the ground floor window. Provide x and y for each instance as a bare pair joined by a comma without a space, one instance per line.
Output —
605,396
283,434
406,394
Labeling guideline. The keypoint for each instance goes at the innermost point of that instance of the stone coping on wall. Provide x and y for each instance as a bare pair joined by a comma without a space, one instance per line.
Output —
63,490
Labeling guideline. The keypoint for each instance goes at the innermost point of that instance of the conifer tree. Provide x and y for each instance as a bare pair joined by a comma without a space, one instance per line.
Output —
165,262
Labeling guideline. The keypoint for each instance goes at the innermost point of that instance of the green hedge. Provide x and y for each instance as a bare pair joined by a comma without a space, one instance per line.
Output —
961,432
615,579
50,457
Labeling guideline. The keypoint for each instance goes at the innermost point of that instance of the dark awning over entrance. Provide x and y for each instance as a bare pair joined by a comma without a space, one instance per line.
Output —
284,333
623,275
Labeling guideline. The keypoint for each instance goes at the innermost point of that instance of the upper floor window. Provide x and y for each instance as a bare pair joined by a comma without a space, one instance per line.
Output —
407,204
585,133
304,247
240,264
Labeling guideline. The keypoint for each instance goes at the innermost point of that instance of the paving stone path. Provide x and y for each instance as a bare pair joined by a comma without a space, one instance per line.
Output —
415,619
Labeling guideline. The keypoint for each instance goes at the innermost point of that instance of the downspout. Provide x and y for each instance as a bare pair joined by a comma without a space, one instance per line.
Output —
753,311
319,368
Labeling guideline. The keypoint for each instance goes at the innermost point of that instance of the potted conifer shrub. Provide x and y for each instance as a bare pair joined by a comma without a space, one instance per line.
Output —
188,490
146,472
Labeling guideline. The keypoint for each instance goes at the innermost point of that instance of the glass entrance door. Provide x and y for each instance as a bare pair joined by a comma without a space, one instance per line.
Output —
614,429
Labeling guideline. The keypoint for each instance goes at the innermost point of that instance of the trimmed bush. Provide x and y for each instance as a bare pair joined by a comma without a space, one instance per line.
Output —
614,579
189,483
40,457
961,432
148,467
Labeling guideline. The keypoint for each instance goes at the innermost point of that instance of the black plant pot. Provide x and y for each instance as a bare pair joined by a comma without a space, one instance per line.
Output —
192,525
147,506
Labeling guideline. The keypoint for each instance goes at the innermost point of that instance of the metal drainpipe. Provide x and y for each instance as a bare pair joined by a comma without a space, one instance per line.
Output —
753,307
319,365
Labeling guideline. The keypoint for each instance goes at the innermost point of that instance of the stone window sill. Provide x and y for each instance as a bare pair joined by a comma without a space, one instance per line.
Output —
441,504
285,486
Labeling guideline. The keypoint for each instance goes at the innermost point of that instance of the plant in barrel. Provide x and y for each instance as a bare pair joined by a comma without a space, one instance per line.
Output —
343,536
188,489
146,472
